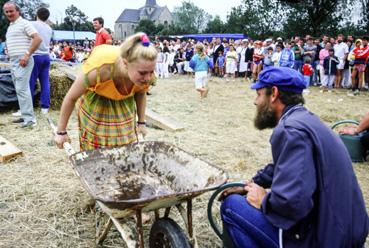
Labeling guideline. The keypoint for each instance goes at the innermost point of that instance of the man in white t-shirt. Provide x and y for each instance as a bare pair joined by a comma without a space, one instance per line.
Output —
341,51
22,40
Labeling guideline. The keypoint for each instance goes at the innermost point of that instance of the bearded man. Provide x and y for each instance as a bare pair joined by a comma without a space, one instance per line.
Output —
313,197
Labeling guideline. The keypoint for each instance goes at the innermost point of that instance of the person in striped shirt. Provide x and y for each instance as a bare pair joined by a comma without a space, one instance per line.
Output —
22,40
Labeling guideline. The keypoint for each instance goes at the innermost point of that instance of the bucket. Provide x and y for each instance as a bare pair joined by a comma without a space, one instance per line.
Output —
352,142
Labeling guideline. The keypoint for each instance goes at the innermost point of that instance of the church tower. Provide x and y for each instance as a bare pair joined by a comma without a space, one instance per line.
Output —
150,3
150,6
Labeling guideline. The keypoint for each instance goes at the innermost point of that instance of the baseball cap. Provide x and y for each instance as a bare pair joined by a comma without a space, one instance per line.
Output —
284,78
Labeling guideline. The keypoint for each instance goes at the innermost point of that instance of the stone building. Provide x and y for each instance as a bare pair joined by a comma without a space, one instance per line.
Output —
127,22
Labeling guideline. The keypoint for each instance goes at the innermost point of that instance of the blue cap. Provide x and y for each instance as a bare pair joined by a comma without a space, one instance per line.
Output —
284,78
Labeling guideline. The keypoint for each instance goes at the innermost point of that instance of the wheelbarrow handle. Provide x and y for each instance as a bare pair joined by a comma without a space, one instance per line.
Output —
344,122
66,145
211,201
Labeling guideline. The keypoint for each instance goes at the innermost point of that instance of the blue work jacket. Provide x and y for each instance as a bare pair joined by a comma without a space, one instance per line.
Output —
314,194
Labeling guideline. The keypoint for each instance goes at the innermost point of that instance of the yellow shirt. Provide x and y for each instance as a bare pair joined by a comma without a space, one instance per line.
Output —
101,55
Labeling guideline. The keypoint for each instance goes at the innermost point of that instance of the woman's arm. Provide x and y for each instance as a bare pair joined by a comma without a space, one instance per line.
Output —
77,89
140,98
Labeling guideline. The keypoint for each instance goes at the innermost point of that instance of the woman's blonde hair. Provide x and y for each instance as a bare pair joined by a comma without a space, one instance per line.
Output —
136,47
200,49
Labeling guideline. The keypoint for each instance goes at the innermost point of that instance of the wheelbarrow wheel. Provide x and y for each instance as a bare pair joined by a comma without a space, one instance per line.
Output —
166,233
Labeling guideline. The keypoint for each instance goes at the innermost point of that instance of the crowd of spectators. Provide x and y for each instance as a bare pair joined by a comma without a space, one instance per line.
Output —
328,62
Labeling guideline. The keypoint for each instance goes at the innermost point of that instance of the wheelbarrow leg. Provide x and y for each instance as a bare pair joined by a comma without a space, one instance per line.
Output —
139,228
100,238
187,218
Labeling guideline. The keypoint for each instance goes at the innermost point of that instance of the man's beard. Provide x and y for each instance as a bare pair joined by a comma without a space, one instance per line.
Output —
265,117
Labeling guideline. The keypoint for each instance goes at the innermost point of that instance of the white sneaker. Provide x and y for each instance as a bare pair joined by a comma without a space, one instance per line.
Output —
44,111
350,94
17,114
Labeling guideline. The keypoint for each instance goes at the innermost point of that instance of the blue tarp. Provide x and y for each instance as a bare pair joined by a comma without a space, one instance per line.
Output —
210,36
68,35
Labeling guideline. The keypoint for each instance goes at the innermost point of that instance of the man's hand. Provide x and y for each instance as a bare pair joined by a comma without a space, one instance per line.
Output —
24,60
233,190
255,194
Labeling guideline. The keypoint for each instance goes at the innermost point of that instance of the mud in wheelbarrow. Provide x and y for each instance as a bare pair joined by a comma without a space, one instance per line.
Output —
144,176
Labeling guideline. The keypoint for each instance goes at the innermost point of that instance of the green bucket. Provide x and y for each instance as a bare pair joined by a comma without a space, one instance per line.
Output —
352,142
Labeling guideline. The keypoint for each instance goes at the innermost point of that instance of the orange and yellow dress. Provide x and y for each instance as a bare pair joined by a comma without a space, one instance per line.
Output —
106,117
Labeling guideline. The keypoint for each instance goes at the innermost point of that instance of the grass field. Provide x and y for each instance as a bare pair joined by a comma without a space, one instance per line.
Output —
42,202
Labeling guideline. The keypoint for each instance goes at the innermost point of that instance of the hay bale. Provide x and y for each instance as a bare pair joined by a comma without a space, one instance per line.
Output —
59,86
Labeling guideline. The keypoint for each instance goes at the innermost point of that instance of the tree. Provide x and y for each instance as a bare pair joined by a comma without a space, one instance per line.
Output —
215,26
147,26
75,19
29,8
314,16
28,11
257,18
365,15
190,18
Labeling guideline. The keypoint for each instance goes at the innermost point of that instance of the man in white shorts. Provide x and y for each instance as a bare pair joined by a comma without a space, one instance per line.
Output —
341,52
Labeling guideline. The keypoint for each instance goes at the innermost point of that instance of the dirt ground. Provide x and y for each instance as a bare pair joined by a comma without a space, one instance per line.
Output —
43,204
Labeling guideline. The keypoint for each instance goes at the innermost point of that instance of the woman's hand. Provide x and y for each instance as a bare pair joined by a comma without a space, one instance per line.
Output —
141,129
60,140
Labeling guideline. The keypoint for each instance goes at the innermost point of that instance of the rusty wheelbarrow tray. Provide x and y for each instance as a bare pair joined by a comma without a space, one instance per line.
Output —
142,177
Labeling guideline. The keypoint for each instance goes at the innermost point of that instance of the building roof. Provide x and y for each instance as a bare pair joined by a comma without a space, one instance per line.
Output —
135,15
155,15
129,15
68,35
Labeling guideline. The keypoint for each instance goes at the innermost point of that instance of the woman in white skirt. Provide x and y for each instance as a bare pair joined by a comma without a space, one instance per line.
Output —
231,62
242,55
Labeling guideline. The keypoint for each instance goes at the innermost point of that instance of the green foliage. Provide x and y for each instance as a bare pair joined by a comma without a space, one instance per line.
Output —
3,21
76,19
364,22
147,26
215,26
29,8
287,18
28,11
190,18
312,16
257,18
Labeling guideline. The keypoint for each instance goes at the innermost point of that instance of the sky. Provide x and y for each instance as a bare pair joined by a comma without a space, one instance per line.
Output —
110,10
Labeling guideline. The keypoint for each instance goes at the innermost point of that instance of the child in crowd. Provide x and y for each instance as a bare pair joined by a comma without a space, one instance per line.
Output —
307,71
231,62
277,55
201,63
220,64
267,61
330,68
159,62
257,58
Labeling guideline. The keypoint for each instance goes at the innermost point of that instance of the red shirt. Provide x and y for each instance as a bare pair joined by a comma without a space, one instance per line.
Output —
307,70
361,52
67,53
102,36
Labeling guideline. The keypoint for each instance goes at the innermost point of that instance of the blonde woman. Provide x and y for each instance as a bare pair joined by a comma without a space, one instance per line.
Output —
109,94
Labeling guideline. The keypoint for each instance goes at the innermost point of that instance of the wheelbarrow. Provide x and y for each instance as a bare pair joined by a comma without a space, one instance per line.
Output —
352,142
142,177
